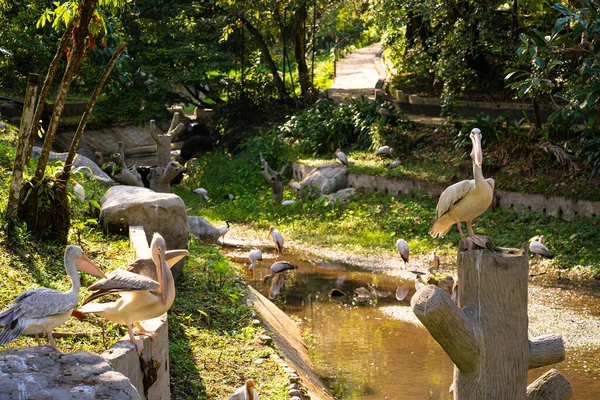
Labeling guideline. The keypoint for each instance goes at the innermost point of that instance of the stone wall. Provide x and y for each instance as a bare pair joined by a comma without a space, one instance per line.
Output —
562,207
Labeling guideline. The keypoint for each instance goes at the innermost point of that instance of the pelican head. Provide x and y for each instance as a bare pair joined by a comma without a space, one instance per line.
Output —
158,247
75,254
477,152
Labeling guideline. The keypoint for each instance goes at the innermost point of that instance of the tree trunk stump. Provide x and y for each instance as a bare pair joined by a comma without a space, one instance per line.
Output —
485,335
164,169
160,177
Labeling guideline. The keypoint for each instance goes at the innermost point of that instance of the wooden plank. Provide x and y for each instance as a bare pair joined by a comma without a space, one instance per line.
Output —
137,240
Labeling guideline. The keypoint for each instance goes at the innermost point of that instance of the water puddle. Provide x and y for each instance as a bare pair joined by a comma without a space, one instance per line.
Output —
367,344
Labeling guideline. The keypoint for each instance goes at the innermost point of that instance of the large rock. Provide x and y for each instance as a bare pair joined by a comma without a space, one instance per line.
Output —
90,168
341,195
39,373
164,213
327,179
203,230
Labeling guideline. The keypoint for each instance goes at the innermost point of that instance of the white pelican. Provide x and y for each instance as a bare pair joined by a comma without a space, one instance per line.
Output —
41,310
279,267
434,260
402,247
288,202
223,230
384,150
419,284
341,156
79,192
394,164
146,291
246,392
538,247
254,256
277,239
465,200
202,192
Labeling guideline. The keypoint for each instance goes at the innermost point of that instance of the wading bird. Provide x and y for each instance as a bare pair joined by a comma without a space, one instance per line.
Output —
465,200
279,267
402,247
223,230
254,256
246,392
202,192
341,156
277,239
41,310
146,290
384,151
538,247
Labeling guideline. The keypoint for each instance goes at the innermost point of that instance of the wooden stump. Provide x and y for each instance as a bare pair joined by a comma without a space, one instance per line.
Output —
485,335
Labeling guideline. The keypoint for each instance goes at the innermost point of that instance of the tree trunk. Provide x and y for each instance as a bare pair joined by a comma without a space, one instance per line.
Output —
300,49
160,177
87,8
267,56
163,141
25,133
125,175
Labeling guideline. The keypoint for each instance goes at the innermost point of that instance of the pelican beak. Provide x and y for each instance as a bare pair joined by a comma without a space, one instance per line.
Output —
162,265
477,152
86,265
174,256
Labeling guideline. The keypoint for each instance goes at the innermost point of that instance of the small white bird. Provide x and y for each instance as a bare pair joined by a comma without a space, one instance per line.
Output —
384,150
277,239
538,247
341,156
288,202
202,192
254,256
434,260
223,230
79,192
394,164
419,284
402,247
246,392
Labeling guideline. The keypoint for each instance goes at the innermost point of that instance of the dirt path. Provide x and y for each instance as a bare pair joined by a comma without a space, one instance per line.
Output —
573,313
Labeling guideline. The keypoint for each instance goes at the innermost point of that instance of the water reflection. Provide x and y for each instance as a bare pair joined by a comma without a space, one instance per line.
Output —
362,352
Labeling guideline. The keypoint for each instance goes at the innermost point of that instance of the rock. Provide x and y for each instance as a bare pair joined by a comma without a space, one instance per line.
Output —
327,179
79,161
164,213
41,373
266,339
341,195
203,230
294,378
295,393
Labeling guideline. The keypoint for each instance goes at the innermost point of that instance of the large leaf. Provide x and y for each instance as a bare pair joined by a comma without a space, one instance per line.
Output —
562,9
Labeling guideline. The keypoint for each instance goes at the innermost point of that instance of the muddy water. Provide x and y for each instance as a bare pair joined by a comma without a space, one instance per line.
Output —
363,353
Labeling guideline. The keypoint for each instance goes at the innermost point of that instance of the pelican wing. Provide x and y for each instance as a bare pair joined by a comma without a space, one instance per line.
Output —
38,303
452,195
121,281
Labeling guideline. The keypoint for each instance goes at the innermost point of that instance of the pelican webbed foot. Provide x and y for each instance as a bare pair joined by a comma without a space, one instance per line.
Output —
475,242
142,331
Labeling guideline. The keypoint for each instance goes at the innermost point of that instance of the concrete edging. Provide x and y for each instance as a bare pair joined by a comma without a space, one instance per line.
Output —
557,206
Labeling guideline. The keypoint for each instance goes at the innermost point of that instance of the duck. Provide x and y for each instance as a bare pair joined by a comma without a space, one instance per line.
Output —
146,290
277,239
341,156
41,310
465,200
402,247
246,392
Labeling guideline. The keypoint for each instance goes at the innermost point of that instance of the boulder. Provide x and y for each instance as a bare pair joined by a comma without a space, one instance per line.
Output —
203,230
92,170
341,195
327,179
164,213
38,373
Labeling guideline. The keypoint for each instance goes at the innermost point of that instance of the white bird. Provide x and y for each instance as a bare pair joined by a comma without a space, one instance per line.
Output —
79,192
394,164
341,156
41,310
223,230
384,150
279,267
287,202
465,200
419,284
202,192
246,392
254,256
434,260
146,290
402,247
277,239
538,247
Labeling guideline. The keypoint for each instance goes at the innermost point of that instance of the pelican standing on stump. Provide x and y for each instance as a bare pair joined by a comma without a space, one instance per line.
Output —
277,239
254,256
41,310
465,200
538,247
341,156
402,247
146,291
246,392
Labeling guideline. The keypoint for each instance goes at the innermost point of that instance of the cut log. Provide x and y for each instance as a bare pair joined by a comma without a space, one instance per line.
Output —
125,175
163,141
160,177
551,386
546,350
